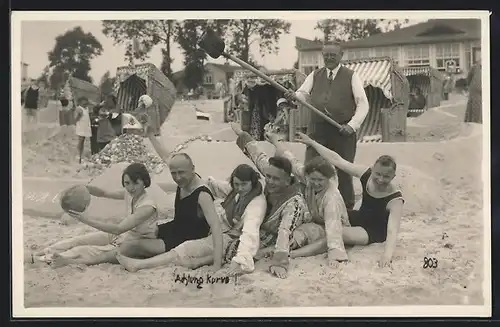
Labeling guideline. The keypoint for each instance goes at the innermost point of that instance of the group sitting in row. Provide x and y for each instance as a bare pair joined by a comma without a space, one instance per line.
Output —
296,210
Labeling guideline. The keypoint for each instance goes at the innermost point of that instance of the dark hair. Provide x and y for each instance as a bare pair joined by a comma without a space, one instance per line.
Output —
135,172
64,102
185,156
81,99
386,161
322,166
281,163
245,173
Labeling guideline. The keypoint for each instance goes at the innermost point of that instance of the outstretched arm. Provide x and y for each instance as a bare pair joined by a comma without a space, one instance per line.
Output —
139,216
282,150
251,149
208,208
101,193
163,151
395,208
333,157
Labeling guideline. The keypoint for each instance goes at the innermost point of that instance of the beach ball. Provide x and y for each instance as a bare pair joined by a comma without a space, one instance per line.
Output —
76,198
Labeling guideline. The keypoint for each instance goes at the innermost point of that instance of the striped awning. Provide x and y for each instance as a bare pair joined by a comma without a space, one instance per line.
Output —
248,79
408,71
375,72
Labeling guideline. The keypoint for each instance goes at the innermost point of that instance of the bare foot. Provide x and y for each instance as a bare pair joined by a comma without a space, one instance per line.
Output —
234,270
130,264
60,261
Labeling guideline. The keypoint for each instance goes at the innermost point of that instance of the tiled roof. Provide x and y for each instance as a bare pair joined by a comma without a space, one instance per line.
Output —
431,31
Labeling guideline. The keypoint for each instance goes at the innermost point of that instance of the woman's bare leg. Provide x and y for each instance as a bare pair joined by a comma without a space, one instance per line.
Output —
194,263
106,257
160,260
96,238
310,250
355,236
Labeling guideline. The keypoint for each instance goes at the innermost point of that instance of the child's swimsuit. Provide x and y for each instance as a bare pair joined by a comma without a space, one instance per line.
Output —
373,215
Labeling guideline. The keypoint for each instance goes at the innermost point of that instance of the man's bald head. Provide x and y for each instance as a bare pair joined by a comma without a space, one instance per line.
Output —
182,169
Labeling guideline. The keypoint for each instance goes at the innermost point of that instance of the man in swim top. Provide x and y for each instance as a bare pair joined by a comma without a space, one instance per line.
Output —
379,216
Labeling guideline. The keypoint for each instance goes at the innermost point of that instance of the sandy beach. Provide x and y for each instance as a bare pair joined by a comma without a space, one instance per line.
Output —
440,175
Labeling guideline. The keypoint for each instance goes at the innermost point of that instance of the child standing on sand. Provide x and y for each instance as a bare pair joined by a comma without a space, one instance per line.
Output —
82,126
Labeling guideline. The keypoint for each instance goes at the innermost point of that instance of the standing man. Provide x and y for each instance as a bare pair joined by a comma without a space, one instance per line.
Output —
31,99
474,112
339,93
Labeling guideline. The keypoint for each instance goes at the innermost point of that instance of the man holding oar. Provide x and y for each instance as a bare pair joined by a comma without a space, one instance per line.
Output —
339,93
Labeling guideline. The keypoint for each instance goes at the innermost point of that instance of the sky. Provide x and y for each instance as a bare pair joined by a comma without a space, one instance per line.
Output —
38,38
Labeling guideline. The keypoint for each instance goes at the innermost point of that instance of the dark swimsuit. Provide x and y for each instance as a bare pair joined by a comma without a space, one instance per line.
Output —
373,215
189,222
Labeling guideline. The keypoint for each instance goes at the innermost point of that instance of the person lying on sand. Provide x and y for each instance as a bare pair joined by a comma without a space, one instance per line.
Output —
195,216
286,206
326,214
379,216
241,212
141,223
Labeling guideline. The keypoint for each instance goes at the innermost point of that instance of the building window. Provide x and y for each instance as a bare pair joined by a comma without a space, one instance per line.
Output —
391,52
309,61
354,54
208,79
417,55
446,52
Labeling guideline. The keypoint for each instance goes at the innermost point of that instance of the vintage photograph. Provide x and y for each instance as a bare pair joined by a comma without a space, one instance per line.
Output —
318,161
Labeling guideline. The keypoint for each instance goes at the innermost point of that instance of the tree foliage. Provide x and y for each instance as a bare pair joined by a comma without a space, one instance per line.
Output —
354,29
44,76
149,34
106,85
72,54
245,32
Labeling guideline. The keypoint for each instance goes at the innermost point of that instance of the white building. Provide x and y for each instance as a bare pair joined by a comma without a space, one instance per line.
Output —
432,43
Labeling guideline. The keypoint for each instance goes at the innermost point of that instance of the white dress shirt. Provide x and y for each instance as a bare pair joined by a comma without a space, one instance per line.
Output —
358,91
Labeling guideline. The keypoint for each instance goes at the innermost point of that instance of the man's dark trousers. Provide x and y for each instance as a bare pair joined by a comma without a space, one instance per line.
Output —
345,145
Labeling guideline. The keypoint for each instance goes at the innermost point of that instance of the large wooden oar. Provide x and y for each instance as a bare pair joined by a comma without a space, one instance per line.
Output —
214,46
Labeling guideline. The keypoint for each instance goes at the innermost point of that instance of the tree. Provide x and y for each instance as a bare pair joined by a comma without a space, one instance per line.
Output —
149,33
72,54
44,76
106,85
188,34
354,29
245,32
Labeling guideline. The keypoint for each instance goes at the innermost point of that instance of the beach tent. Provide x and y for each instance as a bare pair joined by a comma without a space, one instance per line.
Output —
430,81
75,88
134,81
262,98
387,90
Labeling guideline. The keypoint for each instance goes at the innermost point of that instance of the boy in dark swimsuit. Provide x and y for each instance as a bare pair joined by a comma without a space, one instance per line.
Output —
379,216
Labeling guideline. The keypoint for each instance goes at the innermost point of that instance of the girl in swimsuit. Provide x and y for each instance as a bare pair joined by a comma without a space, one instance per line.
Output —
379,216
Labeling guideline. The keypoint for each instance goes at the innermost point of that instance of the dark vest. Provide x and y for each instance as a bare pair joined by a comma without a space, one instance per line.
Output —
335,96
31,101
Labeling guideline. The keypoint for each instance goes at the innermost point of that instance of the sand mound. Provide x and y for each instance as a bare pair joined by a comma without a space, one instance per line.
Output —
422,193
51,151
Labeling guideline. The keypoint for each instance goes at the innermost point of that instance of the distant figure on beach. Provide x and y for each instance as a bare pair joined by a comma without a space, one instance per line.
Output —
417,99
378,219
105,131
339,92
241,207
326,216
286,206
65,112
141,222
31,102
82,124
195,216
474,113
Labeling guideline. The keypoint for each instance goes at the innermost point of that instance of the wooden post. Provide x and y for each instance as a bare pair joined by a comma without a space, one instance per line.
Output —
292,126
